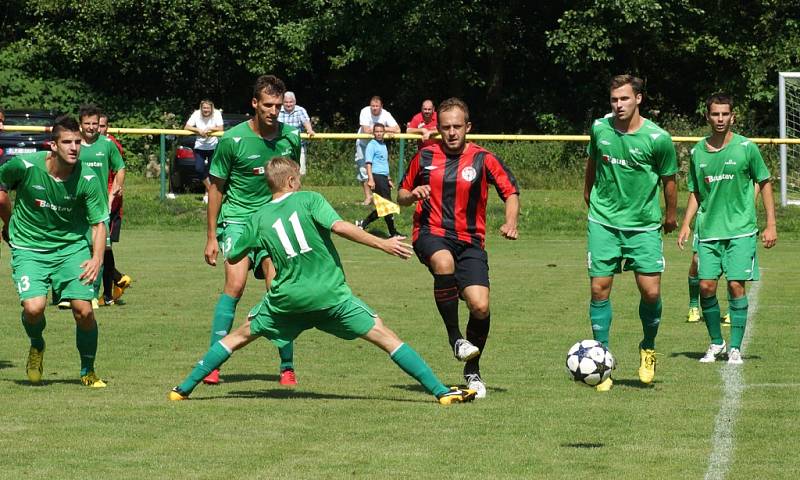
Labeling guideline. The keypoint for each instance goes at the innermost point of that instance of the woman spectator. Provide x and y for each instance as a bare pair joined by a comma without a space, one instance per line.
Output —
204,122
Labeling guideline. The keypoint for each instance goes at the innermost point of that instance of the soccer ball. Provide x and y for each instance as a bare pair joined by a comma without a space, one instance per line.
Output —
589,362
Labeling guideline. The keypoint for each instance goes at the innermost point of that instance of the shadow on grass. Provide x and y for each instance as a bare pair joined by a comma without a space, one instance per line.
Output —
632,383
46,382
295,394
699,355
415,387
5,364
247,377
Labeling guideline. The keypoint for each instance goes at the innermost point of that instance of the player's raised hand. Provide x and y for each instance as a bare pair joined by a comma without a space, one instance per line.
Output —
422,192
769,237
683,235
212,249
509,231
91,268
395,246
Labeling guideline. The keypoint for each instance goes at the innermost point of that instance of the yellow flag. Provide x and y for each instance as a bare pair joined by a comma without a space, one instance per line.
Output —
384,207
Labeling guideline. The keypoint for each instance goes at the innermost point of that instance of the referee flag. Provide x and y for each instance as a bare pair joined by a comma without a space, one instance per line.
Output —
384,207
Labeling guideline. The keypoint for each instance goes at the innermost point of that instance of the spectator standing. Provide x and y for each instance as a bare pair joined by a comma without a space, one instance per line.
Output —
296,116
424,123
376,159
369,116
204,121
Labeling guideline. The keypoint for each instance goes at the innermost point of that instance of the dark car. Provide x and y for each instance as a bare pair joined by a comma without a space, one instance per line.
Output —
184,176
16,143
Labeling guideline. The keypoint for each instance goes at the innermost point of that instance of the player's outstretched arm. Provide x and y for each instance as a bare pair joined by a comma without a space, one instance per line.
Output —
509,228
671,202
770,234
392,246
214,202
691,210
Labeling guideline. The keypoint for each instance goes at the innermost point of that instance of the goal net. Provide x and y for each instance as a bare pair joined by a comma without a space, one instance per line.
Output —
789,97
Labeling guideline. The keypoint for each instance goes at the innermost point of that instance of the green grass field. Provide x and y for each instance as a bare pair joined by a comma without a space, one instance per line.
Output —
355,414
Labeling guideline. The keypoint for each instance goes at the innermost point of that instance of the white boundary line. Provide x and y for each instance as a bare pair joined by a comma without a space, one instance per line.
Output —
722,448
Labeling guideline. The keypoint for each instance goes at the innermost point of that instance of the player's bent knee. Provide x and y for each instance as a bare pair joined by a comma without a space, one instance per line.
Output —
34,308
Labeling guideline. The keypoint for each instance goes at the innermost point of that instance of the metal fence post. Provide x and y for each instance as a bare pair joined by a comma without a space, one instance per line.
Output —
163,160
401,162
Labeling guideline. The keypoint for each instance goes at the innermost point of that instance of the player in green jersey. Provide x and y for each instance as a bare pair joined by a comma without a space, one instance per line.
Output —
628,156
309,289
100,154
236,192
722,173
58,200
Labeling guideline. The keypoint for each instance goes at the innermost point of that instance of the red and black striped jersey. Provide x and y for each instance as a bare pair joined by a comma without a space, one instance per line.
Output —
459,185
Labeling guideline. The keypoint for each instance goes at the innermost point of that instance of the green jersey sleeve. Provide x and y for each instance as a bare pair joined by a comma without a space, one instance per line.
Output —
758,168
11,173
691,175
665,157
115,160
322,211
96,204
223,159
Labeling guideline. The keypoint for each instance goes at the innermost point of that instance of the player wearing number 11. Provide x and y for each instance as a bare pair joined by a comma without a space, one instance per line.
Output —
309,289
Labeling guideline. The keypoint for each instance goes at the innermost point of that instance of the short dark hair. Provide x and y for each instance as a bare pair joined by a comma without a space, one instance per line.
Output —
270,84
720,99
636,83
64,123
88,111
379,124
452,103
376,97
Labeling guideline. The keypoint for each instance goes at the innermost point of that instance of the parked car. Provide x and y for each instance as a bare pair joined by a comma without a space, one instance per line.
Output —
184,177
16,143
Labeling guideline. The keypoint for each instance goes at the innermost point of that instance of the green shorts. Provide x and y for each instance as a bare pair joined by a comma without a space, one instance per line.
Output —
34,273
737,258
695,242
642,251
228,234
348,320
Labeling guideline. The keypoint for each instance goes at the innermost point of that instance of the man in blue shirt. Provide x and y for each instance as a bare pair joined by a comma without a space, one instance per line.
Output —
376,158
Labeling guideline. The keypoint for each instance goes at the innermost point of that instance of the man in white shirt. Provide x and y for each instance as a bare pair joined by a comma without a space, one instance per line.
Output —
368,117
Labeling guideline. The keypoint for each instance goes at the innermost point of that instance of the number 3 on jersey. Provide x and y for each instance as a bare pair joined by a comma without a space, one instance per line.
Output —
298,233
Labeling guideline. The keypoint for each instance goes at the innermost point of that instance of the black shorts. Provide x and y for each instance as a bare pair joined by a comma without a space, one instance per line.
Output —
382,186
115,225
472,263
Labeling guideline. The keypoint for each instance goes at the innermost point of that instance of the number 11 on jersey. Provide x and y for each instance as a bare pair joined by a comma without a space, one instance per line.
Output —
298,233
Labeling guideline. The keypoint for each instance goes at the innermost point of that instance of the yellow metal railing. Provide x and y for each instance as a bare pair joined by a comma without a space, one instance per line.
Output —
162,132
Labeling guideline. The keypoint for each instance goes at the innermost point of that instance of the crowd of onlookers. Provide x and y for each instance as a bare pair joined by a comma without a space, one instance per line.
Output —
206,120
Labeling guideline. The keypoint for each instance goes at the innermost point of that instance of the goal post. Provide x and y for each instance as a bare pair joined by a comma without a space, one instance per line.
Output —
789,123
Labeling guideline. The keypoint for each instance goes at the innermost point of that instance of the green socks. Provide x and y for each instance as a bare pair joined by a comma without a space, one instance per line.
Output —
86,341
216,356
223,317
650,315
287,356
711,313
694,292
738,309
410,362
34,332
600,316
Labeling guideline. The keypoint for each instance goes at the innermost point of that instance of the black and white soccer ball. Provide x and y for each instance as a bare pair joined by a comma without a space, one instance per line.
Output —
589,362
